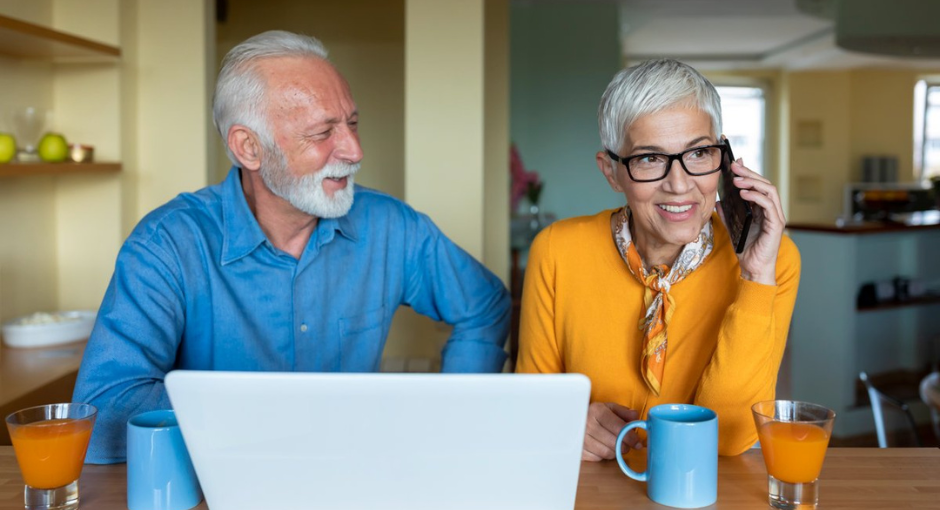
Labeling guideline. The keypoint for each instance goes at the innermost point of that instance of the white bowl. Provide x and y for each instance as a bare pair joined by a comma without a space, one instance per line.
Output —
45,329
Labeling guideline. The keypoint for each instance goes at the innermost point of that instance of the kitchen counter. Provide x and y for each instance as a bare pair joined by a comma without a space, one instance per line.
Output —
31,377
912,222
833,336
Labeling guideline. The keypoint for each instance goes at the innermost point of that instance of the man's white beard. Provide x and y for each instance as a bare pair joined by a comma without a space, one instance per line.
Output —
306,192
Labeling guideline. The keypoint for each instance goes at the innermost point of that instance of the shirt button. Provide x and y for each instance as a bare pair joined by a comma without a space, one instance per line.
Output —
303,328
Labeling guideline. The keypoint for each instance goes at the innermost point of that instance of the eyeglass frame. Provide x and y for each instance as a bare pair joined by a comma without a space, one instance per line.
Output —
672,157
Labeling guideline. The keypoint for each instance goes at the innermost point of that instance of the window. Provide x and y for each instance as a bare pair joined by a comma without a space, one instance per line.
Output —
927,130
742,115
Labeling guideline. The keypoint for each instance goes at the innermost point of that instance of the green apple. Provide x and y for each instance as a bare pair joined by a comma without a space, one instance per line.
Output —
7,148
53,148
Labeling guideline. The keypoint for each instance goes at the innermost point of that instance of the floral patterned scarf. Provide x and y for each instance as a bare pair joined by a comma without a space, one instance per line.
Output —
657,282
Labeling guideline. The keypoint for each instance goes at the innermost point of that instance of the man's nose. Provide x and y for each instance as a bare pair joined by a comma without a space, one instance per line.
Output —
348,149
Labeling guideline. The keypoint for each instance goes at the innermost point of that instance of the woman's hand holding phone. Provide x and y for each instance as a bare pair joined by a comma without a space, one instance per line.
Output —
758,261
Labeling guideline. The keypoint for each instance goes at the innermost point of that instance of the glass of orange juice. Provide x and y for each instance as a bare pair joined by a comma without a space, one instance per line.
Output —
793,438
50,442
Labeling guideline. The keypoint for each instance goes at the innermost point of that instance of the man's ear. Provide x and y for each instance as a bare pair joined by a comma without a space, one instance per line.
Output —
607,167
245,145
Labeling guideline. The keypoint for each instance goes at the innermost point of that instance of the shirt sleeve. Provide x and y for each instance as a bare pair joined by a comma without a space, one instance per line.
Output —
131,348
446,284
538,347
751,340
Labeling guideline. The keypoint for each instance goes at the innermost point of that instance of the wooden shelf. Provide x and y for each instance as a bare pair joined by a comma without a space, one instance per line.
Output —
926,300
28,169
22,39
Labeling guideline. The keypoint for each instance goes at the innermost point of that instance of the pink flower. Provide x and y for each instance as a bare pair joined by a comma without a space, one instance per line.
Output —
524,182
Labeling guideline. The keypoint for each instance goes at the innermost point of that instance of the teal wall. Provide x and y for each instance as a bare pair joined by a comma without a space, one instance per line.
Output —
562,57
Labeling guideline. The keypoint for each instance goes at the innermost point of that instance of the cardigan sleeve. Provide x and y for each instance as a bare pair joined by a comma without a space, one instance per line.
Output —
751,340
538,345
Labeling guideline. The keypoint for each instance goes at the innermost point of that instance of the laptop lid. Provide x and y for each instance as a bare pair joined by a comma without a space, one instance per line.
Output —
367,441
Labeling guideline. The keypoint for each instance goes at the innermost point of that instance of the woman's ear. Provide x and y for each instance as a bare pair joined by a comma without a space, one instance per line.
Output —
608,167
245,146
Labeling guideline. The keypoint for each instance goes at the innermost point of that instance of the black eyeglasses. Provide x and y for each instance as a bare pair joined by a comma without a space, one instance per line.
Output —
653,166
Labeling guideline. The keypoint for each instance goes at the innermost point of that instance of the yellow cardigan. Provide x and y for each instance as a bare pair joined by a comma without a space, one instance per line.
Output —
581,309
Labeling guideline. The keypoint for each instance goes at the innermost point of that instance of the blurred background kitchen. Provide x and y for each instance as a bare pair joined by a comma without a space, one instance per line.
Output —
837,101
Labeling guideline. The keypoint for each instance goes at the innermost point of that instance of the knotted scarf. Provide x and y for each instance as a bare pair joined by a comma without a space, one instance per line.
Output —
657,299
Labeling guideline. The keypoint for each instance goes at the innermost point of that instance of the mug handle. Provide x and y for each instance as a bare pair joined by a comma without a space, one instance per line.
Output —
642,477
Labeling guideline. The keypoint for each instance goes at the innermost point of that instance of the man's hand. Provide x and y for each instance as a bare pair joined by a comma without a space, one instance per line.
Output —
604,422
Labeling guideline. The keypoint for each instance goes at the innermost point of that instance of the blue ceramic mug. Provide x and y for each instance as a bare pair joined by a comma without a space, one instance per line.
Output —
160,474
682,455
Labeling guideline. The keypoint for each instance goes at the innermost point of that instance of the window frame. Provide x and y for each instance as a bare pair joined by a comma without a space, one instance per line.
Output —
768,170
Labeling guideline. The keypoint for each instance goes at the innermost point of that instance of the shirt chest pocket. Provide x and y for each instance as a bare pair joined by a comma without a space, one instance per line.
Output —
363,341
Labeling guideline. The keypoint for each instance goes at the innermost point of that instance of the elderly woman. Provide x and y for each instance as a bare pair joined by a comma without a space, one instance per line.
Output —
650,300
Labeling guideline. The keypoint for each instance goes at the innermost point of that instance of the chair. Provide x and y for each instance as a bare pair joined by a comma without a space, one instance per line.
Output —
893,417
930,394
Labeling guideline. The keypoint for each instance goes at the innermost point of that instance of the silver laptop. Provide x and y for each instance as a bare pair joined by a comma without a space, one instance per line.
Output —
263,440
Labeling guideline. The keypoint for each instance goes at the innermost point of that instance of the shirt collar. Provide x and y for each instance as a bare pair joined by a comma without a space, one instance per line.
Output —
240,229
241,233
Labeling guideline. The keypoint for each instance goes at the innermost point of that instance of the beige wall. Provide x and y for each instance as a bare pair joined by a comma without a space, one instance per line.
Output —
861,112
174,45
858,112
882,106
817,172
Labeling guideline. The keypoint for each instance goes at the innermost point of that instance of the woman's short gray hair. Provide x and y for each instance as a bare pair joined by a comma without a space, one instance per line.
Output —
650,87
239,90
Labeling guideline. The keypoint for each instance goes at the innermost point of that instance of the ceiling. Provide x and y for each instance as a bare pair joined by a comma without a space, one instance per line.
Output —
739,34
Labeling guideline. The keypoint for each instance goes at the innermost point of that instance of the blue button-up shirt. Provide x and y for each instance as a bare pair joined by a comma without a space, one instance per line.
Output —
197,285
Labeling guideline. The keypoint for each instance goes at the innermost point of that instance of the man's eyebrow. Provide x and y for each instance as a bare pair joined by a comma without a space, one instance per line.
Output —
334,120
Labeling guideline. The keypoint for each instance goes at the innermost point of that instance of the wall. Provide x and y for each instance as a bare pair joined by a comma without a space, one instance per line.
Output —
818,171
174,45
882,107
861,112
563,55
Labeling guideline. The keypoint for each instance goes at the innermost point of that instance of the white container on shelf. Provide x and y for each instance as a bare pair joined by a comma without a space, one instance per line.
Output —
46,329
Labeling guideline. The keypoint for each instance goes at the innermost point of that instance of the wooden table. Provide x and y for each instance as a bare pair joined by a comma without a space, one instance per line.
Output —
852,478
31,377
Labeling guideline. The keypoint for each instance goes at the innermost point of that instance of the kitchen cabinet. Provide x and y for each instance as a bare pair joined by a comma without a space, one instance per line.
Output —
832,339
37,376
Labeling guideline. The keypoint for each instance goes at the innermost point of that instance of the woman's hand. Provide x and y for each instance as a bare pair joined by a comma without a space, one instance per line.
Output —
758,261
604,422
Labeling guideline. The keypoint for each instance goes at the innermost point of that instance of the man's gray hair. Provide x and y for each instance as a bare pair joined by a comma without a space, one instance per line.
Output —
240,90
650,87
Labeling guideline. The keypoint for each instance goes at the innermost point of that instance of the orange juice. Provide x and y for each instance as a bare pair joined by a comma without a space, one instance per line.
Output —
51,452
793,452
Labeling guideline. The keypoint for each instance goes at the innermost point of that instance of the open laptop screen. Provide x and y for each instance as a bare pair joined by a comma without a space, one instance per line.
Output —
410,441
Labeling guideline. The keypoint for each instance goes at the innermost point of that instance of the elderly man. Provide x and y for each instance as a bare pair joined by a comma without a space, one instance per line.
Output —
284,266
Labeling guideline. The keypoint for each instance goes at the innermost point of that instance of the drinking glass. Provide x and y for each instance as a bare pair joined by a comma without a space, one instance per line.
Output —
793,438
28,124
50,442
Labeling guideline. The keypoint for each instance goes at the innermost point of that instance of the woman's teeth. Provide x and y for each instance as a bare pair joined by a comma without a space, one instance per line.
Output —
675,208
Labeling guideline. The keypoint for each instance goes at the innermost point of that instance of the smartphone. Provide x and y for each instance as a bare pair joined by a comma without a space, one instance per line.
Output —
738,213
